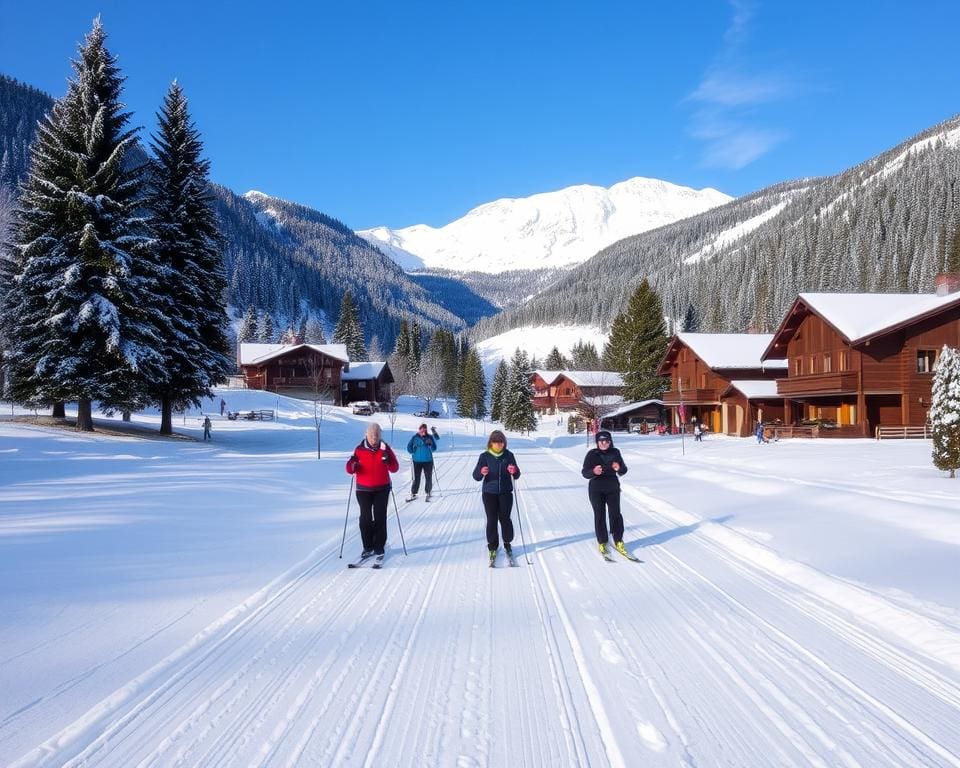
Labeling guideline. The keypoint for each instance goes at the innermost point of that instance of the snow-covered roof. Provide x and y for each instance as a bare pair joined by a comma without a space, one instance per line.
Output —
547,376
362,371
603,400
756,390
731,350
628,407
861,315
594,378
251,354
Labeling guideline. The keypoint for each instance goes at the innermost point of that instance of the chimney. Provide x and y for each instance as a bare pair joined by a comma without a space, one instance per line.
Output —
946,282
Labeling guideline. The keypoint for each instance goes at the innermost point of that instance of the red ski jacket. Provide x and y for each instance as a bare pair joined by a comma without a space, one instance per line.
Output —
372,466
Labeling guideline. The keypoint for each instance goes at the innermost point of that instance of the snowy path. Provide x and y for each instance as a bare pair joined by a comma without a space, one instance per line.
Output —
696,657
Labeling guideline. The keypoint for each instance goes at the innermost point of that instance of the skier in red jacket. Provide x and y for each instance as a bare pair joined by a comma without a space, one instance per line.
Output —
372,462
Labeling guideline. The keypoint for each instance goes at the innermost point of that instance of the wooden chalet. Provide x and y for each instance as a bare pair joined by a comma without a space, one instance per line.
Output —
703,368
858,361
646,412
297,370
544,390
366,381
587,390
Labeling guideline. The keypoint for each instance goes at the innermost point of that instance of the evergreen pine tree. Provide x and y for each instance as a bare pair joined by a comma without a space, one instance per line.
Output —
266,333
349,331
498,391
518,413
945,411
584,357
86,303
415,346
195,349
248,326
637,344
313,334
403,340
555,361
472,402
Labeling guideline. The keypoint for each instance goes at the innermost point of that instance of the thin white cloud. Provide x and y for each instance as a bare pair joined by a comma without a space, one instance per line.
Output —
729,96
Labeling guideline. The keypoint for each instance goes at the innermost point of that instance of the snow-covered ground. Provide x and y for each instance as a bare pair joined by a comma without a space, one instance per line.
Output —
171,602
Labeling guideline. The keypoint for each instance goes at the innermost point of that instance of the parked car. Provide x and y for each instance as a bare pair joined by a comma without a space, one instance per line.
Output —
362,408
427,414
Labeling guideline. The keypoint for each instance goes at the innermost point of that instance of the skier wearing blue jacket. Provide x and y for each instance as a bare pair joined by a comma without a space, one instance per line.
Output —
421,447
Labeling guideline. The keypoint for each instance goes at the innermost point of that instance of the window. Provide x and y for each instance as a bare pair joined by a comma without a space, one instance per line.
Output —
812,364
703,381
926,360
844,361
827,363
798,366
361,385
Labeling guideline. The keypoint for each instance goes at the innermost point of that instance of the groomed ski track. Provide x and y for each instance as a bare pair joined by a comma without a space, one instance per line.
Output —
697,657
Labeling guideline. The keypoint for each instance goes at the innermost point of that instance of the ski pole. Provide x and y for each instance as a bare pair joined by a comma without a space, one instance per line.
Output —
526,554
397,510
436,479
345,516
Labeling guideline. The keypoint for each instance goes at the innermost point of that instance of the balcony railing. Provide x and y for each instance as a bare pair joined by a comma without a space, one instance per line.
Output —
838,382
675,397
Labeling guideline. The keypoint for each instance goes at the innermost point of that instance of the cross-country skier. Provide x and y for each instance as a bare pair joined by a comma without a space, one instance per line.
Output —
421,447
497,468
372,462
602,466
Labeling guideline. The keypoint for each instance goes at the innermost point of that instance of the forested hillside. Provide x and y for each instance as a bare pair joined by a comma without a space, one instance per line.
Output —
889,224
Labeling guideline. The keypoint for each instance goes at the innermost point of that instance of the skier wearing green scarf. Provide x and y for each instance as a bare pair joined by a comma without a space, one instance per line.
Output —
497,468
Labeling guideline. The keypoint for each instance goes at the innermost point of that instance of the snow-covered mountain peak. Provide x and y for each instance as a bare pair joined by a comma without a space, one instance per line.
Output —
549,229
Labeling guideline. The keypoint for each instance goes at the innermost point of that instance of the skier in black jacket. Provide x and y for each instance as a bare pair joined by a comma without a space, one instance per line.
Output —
497,468
602,466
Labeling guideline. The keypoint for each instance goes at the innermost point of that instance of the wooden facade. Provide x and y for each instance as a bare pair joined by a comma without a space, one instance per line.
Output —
296,370
366,381
851,386
555,391
544,390
704,388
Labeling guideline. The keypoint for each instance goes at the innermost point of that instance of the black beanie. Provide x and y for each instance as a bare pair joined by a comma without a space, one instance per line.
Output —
604,433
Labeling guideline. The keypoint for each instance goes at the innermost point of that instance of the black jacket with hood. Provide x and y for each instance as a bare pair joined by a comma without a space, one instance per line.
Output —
609,479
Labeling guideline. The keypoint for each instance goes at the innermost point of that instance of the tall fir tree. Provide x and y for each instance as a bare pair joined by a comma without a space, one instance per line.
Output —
638,341
266,333
188,245
85,312
248,326
584,357
403,340
518,412
349,331
555,361
472,401
945,411
498,390
313,333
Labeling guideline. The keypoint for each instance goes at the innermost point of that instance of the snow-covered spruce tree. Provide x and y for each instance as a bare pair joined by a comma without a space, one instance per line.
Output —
349,331
472,401
188,246
584,357
314,332
248,326
555,361
945,411
82,308
498,390
518,413
266,332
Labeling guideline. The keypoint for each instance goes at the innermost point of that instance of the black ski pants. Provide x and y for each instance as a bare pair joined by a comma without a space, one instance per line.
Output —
498,506
420,468
604,501
373,518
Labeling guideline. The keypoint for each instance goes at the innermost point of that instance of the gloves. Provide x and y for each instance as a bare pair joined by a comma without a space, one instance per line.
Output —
434,431
598,470
385,456
615,467
511,469
354,462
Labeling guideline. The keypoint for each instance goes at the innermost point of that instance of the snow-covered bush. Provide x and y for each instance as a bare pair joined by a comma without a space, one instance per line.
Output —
945,411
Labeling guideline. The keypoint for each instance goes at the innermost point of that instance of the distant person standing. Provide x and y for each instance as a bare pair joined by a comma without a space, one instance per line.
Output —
223,406
421,448
698,432
603,466
206,428
759,433
497,468
372,462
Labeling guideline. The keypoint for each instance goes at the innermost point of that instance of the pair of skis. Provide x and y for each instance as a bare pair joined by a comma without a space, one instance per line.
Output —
364,559
414,498
510,557
608,556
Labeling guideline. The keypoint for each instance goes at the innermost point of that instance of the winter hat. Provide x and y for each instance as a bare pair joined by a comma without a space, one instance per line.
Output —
603,434
497,435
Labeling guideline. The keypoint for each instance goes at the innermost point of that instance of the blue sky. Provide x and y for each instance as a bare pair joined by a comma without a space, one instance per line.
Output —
400,113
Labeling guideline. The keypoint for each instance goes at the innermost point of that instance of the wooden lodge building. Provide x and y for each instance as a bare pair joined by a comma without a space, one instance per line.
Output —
366,381
720,380
858,361
555,391
295,369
